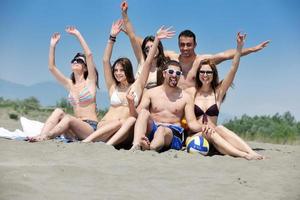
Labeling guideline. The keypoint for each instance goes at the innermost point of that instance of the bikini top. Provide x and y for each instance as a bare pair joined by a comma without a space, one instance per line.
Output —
85,98
212,111
115,100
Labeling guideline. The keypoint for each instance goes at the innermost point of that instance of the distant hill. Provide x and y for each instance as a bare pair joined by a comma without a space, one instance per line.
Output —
48,93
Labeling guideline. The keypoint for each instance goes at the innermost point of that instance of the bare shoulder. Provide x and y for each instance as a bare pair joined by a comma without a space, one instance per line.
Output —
187,95
203,56
154,91
172,55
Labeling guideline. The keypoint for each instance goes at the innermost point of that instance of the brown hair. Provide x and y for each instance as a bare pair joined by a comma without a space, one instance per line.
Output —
215,82
86,72
127,67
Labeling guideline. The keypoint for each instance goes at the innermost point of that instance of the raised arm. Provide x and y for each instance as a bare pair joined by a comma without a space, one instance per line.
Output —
115,30
229,54
234,67
162,33
52,67
89,56
134,40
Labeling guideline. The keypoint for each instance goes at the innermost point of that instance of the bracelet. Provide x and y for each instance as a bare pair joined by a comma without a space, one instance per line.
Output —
112,38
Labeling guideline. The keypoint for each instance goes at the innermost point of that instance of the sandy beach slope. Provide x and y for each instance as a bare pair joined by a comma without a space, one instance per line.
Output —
55,170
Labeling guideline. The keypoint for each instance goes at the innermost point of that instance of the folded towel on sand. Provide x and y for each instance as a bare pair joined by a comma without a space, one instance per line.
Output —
30,128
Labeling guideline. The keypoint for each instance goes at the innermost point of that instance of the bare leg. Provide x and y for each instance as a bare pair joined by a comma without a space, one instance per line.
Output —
68,123
142,126
53,120
226,148
122,133
50,123
162,138
236,141
103,133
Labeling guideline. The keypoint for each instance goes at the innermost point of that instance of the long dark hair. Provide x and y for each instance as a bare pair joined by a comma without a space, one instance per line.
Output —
127,67
215,82
161,58
86,72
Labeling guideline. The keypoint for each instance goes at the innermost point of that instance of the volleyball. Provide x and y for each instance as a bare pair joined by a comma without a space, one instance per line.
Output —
197,144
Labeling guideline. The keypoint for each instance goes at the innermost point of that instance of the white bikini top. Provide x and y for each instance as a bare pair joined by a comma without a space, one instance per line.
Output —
116,101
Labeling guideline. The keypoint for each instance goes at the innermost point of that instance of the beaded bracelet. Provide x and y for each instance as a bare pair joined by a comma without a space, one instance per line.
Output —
112,38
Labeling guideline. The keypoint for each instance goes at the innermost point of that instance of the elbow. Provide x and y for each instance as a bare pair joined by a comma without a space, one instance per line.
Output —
89,54
51,67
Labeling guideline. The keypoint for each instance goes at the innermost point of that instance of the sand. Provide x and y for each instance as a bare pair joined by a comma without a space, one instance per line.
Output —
56,170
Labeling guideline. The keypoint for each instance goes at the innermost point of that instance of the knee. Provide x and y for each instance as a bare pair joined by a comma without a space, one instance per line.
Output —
67,118
59,112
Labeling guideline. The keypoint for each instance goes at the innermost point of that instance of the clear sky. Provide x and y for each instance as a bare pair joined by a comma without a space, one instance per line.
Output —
267,82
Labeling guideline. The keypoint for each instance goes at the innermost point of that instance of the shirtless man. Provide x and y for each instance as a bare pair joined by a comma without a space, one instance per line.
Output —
190,61
160,112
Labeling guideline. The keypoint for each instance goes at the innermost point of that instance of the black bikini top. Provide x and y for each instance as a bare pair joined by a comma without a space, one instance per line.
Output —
212,111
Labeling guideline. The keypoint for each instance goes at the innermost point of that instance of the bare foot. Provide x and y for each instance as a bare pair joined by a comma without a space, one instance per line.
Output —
145,144
254,156
37,138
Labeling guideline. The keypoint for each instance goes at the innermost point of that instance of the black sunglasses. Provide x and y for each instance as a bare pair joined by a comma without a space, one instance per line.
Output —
77,60
172,71
206,72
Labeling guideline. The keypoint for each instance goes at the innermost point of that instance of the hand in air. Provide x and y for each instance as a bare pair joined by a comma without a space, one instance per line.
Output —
261,45
72,30
54,39
116,28
241,39
163,33
124,6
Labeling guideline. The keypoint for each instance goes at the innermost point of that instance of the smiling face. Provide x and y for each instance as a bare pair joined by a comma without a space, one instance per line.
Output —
172,75
187,46
119,73
205,74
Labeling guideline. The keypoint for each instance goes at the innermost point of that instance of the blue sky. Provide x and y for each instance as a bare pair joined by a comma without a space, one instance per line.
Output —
267,82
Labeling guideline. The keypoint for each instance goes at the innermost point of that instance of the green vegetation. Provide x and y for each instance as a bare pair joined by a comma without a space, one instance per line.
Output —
283,129
31,108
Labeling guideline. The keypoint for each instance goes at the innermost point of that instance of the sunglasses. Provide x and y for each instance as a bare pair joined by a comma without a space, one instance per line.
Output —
77,60
209,73
172,71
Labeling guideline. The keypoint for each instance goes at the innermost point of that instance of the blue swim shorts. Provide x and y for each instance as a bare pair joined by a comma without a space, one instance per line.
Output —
177,134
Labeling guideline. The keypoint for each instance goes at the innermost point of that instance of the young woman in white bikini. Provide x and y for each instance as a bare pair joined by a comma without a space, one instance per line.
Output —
120,83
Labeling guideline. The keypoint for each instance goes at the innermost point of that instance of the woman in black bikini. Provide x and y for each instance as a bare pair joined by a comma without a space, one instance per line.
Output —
208,98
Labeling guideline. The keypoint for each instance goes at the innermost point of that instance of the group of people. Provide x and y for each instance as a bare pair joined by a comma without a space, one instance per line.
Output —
170,98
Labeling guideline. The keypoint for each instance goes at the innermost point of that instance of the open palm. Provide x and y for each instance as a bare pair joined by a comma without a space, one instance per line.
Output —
54,39
116,28
165,33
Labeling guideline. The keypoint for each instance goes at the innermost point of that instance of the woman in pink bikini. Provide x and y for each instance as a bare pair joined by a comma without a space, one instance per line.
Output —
82,87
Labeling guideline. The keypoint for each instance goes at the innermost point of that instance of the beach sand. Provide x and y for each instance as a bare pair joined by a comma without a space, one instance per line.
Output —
56,170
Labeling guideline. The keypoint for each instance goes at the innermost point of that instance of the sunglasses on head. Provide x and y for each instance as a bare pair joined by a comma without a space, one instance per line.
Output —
172,71
77,60
206,72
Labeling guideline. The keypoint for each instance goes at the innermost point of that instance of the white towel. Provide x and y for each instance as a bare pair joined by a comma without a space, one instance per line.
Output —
30,128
